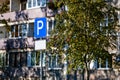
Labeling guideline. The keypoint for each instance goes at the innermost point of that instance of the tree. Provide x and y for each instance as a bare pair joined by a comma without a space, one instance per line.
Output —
4,7
87,27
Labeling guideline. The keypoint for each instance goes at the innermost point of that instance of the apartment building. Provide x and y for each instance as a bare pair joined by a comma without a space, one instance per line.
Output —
18,57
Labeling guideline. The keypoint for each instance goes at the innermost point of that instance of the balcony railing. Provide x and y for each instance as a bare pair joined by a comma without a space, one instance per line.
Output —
16,43
23,15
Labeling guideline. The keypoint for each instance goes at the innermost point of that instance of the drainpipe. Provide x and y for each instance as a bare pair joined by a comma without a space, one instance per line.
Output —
41,73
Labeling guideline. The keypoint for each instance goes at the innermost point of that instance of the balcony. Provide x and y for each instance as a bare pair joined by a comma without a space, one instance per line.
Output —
16,43
23,15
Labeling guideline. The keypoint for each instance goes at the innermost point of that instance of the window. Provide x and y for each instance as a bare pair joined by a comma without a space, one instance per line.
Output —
31,30
54,61
42,60
33,56
104,62
36,59
106,22
108,0
38,56
17,59
50,26
18,31
43,3
23,5
117,58
23,31
36,3
3,59
29,3
118,42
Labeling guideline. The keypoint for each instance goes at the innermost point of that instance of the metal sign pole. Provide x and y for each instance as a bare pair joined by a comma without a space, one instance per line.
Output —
41,65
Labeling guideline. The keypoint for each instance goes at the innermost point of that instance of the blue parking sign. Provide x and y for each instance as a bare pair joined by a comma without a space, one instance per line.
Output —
40,28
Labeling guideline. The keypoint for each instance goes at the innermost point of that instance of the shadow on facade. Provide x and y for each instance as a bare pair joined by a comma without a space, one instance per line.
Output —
17,73
21,15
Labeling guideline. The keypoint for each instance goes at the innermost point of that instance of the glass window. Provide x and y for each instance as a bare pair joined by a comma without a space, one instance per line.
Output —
117,58
104,62
17,59
24,30
3,61
104,23
29,3
54,61
29,59
31,30
12,59
33,58
42,59
34,3
50,26
38,2
23,59
23,5
12,31
43,3
37,58
18,30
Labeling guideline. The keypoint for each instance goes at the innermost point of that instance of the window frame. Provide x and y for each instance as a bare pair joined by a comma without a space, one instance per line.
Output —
36,4
3,59
30,32
50,27
17,62
41,58
57,64
107,61
18,31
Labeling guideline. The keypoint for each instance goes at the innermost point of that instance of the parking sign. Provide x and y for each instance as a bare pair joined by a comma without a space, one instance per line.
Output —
40,28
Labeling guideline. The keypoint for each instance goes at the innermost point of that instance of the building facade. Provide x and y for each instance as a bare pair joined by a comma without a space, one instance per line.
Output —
18,55
20,60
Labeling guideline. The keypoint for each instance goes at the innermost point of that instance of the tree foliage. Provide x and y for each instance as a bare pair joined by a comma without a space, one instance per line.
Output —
4,7
87,27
